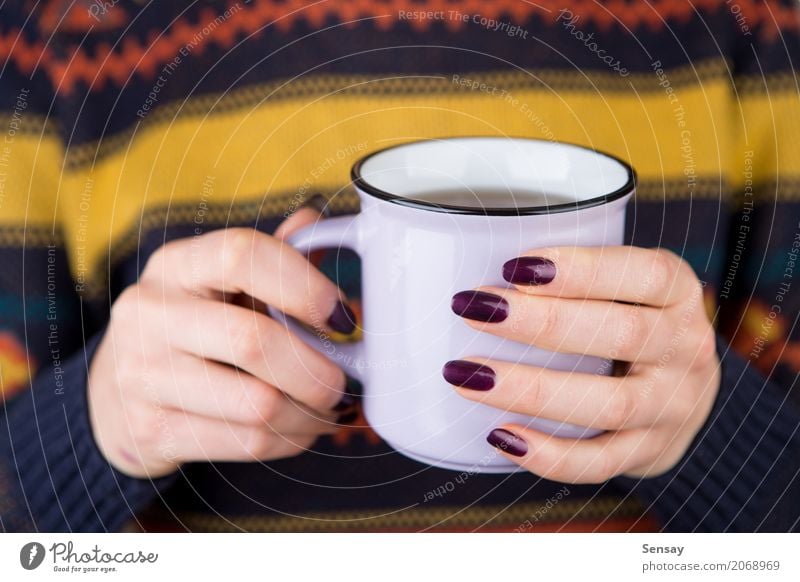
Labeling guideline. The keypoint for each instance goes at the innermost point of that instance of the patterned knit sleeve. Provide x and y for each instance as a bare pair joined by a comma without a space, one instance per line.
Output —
52,475
742,473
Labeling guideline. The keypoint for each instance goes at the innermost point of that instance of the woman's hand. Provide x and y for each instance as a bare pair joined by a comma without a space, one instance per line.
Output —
184,373
634,305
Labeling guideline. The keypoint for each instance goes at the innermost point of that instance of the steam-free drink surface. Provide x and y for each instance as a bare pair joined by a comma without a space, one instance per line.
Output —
493,198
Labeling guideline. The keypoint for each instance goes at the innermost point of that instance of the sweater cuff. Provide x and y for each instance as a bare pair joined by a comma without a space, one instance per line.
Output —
729,477
56,478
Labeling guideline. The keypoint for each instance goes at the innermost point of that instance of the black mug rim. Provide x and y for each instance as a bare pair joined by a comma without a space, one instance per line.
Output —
361,183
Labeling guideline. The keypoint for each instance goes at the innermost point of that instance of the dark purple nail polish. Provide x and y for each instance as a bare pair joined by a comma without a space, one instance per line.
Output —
480,306
342,319
507,441
529,271
348,417
469,375
346,403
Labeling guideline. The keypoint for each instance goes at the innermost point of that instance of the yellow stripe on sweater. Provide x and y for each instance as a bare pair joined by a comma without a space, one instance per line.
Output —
308,144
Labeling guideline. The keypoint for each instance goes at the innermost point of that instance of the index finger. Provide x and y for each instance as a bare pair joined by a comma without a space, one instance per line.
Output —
244,260
655,277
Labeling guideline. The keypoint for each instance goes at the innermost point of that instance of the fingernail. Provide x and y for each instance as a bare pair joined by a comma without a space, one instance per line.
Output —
349,395
480,306
342,319
353,386
469,375
348,417
507,441
319,203
529,271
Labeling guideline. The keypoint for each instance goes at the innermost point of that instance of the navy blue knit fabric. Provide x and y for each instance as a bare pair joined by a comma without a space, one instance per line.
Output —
730,479
63,481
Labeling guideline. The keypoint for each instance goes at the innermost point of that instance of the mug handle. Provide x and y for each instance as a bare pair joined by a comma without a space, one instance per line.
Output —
338,232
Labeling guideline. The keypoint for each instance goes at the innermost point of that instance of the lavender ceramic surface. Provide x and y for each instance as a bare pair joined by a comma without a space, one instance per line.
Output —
416,256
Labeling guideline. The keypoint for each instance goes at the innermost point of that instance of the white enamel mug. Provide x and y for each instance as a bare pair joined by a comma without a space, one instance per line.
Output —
416,255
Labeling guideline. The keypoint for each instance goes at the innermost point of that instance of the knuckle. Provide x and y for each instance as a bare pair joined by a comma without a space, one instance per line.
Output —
259,445
536,391
257,403
249,343
235,254
585,270
633,332
158,258
607,468
663,272
126,308
551,321
141,420
132,370
620,408
704,348
129,368
680,408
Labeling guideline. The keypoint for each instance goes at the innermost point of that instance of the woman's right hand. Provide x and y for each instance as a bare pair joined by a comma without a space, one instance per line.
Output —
184,373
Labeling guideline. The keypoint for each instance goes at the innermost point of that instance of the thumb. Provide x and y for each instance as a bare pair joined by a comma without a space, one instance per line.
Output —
312,211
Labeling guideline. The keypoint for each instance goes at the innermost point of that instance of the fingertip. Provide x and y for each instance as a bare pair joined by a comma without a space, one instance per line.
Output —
508,441
484,304
469,375
529,270
342,319
303,217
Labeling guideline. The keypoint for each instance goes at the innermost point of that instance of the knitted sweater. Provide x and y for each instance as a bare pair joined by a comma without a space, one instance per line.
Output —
125,126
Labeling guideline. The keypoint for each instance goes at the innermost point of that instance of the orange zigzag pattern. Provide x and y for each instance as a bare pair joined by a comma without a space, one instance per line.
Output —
145,57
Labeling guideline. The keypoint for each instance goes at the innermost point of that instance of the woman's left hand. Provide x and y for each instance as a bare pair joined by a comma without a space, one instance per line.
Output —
640,306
